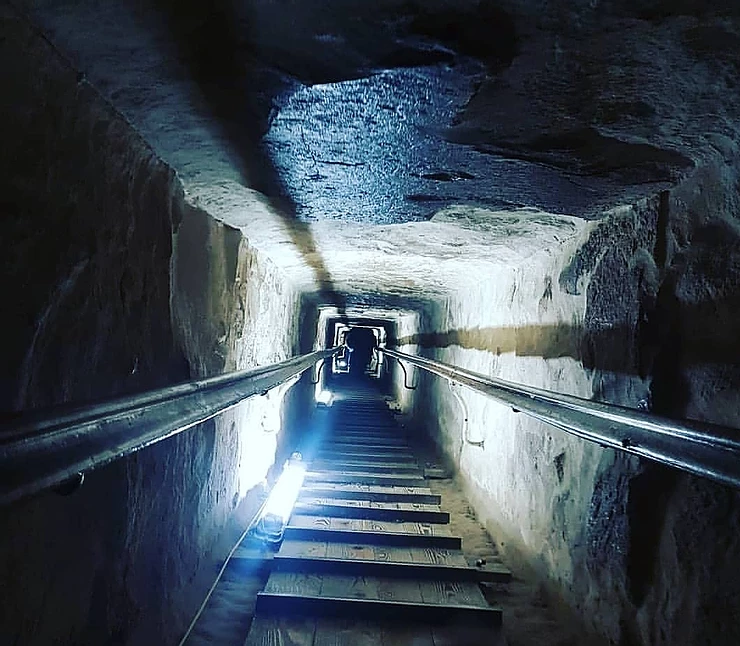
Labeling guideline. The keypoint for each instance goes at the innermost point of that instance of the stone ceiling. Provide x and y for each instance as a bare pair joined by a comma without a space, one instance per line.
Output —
352,114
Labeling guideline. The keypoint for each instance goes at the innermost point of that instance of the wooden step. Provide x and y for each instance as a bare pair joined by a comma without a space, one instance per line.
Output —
363,446
367,458
401,554
365,478
386,569
298,605
357,466
375,425
328,631
368,434
364,425
390,511
367,492
399,454
354,412
370,532
452,561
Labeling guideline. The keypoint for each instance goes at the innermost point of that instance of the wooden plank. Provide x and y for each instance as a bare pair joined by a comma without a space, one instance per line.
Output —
359,437
372,538
338,586
396,589
369,456
281,631
364,445
438,556
365,478
366,426
367,452
362,467
452,593
346,632
391,511
303,549
393,462
338,499
294,605
368,433
370,567
389,432
491,572
355,419
378,526
378,494
389,553
353,632
376,445
348,551
293,583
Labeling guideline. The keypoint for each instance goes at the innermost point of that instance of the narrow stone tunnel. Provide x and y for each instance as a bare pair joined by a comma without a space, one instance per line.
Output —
544,192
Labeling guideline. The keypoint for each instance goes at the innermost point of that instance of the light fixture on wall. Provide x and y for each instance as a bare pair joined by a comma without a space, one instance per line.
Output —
279,505
324,398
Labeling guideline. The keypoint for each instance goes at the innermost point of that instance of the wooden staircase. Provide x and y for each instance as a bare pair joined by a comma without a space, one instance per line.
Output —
367,556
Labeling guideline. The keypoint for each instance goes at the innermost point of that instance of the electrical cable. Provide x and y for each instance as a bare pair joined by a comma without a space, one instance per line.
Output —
249,528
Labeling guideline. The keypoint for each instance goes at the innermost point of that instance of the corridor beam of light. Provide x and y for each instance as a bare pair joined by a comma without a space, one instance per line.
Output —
279,506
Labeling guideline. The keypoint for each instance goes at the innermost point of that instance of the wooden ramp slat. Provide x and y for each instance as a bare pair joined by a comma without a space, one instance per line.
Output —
295,605
339,501
281,631
377,435
326,631
370,456
389,461
387,569
368,492
372,511
359,536
364,467
331,522
366,478
375,445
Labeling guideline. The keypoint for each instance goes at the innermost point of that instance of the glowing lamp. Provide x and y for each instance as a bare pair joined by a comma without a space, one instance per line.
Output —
324,398
279,506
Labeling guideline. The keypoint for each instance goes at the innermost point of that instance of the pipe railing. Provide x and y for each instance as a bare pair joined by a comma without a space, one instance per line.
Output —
706,450
46,449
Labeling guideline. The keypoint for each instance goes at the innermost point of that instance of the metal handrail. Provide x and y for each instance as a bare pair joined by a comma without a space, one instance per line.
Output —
406,384
40,451
706,450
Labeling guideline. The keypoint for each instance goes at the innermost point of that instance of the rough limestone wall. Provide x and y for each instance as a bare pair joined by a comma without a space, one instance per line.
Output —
235,311
642,95
88,268
663,302
640,311
527,481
